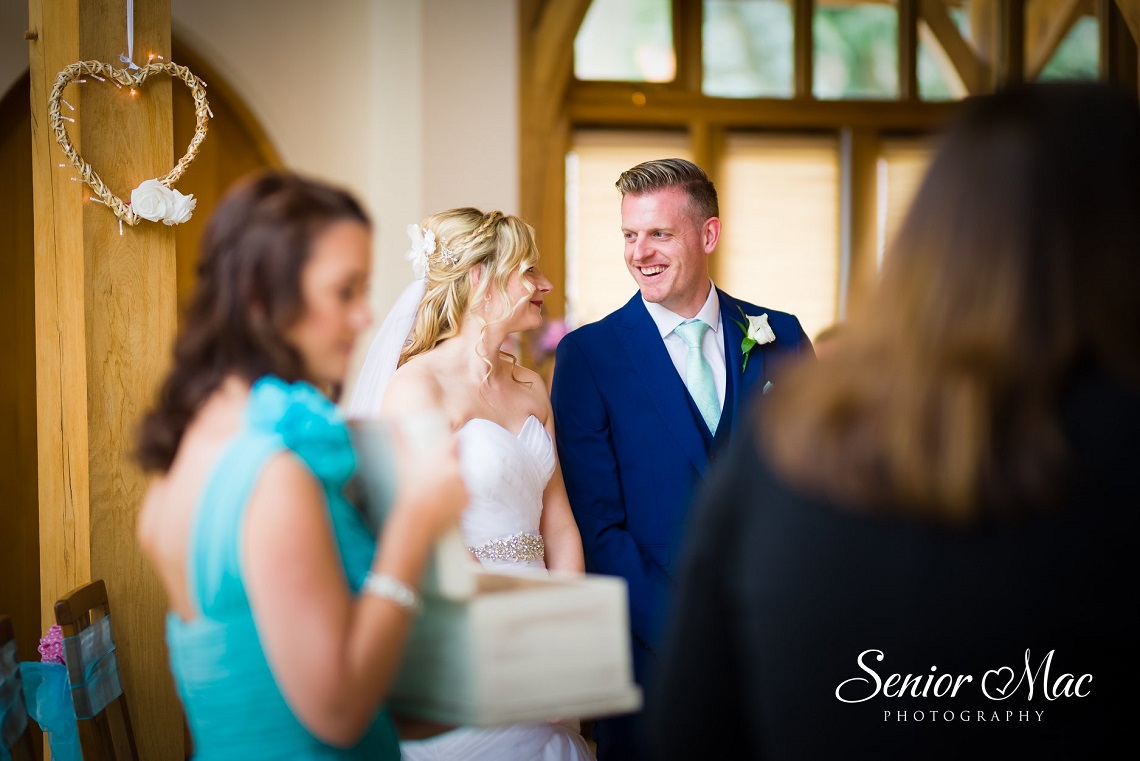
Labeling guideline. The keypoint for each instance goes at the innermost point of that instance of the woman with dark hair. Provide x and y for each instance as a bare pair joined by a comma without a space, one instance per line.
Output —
286,622
927,549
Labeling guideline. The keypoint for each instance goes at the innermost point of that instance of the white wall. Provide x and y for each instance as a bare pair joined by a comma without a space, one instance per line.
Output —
470,54
411,104
336,86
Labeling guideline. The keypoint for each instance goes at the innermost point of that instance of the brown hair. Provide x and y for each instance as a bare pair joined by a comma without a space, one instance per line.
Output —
248,293
1018,262
661,174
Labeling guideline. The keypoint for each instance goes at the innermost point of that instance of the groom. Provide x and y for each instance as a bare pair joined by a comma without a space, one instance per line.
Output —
645,398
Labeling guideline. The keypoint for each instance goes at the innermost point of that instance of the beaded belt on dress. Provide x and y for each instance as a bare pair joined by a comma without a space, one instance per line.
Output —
521,547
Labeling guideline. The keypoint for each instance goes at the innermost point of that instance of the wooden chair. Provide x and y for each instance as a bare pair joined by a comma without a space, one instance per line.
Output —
106,735
23,747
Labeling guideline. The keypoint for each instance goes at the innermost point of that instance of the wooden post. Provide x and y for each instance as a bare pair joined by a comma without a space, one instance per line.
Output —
546,36
908,49
1010,64
970,61
803,47
688,23
1118,63
860,199
105,320
1130,13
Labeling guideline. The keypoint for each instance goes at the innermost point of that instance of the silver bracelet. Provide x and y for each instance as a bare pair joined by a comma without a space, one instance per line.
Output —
391,588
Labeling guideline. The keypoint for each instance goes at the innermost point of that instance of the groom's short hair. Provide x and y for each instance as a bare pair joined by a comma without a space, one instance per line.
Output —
659,174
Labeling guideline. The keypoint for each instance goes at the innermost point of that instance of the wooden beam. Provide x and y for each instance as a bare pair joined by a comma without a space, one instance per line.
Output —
1130,13
19,516
688,26
803,47
703,139
1009,67
552,235
707,143
982,18
61,337
908,49
860,204
105,320
546,59
972,70
1047,23
529,11
1118,49
612,104
553,39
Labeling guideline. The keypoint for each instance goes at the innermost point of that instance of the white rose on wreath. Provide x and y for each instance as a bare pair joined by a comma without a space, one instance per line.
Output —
181,208
155,202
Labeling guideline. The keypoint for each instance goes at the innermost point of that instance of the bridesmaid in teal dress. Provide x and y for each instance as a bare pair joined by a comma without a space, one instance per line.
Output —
286,622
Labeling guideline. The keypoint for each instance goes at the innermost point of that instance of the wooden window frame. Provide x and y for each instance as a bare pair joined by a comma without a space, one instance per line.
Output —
553,103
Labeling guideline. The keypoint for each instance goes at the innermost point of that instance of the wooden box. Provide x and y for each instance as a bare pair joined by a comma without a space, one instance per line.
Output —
493,647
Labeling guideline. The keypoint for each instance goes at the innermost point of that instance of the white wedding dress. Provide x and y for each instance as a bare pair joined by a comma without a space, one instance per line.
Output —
505,475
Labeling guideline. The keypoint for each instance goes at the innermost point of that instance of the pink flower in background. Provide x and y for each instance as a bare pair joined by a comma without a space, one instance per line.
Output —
51,645
552,332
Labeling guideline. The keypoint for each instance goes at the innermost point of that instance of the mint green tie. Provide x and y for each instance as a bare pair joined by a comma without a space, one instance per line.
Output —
698,374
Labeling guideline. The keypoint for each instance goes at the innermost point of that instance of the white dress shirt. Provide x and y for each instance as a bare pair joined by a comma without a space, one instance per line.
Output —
712,345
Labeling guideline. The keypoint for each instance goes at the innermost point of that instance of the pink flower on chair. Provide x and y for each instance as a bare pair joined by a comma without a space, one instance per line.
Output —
51,646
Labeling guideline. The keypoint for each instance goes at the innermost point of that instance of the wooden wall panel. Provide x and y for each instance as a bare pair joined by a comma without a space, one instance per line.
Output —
19,504
105,317
61,357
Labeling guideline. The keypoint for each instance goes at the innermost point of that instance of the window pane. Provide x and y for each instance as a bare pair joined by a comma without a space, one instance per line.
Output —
856,51
779,244
626,40
747,48
1078,55
597,281
902,165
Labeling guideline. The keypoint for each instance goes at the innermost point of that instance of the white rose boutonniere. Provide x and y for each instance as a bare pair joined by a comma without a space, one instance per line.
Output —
756,333
155,202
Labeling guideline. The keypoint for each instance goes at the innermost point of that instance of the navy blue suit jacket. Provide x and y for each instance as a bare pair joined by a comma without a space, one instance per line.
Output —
633,446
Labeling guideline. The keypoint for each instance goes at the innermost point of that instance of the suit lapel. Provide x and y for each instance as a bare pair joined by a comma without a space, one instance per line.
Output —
735,389
662,387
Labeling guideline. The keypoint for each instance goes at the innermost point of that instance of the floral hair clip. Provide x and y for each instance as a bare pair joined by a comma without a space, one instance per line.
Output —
423,248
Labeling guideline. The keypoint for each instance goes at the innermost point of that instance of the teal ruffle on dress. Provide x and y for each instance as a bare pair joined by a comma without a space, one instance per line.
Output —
233,704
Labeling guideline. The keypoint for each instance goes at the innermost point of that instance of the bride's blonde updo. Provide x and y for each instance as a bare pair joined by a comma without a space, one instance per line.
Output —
465,239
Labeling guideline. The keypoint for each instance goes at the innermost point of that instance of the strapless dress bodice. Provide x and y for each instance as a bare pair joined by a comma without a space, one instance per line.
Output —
505,475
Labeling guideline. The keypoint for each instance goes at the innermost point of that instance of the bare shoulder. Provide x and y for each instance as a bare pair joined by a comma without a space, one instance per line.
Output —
414,387
286,499
534,386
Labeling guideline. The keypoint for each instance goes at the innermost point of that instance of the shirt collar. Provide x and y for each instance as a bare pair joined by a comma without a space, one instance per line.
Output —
667,321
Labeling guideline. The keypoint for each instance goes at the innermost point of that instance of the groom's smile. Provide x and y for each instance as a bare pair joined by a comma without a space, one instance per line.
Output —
667,248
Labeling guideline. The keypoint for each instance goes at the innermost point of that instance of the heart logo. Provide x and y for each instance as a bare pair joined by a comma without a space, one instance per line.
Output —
133,78
1000,690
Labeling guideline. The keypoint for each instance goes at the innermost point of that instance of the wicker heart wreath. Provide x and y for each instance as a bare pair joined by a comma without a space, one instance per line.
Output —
133,78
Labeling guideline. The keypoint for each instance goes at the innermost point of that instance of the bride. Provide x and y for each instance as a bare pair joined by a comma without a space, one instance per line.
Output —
477,283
